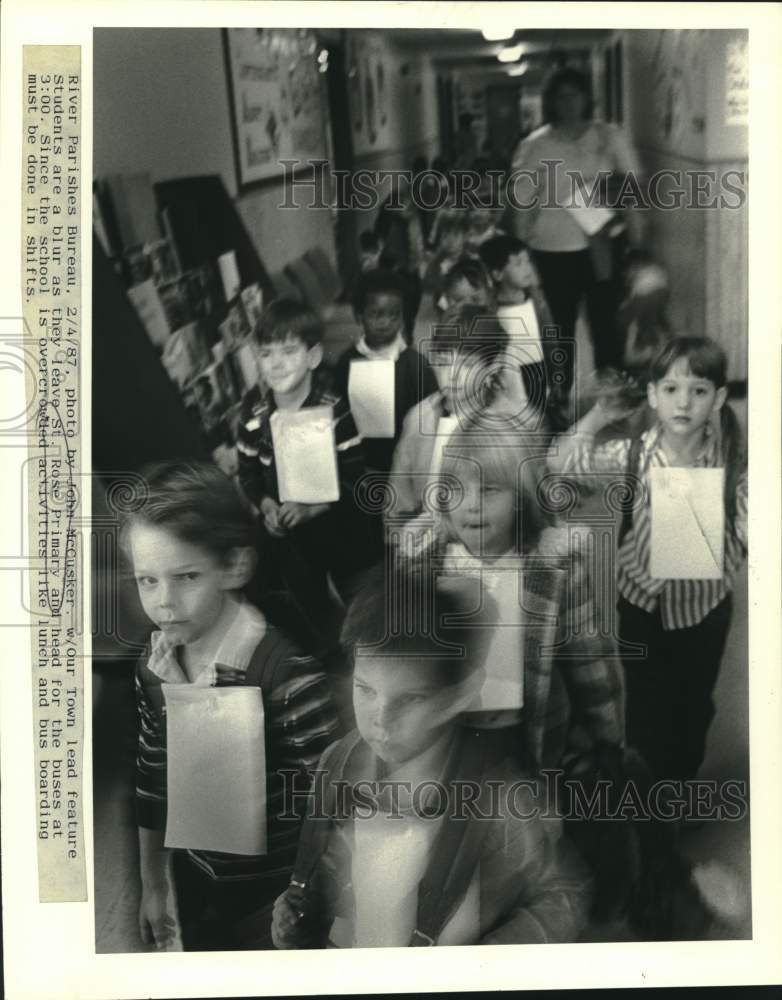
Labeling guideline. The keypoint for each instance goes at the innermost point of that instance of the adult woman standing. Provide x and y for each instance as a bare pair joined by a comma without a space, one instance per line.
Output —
568,153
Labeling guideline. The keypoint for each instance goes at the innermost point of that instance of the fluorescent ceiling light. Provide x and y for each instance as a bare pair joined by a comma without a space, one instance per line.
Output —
511,53
497,34
518,70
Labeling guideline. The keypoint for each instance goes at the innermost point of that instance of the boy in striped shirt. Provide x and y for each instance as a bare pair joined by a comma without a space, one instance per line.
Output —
191,548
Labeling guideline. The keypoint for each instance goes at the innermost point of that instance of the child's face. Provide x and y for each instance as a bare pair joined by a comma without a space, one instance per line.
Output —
485,520
183,588
452,242
382,319
460,380
401,706
684,402
285,364
462,293
518,272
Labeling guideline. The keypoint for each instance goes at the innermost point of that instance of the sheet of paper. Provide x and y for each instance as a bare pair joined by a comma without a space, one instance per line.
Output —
216,769
229,275
688,523
371,395
305,455
521,324
590,218
389,861
445,428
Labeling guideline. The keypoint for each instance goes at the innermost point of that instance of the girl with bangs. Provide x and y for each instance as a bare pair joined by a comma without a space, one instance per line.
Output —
551,685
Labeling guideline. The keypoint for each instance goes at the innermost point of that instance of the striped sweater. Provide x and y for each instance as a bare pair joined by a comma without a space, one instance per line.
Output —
301,721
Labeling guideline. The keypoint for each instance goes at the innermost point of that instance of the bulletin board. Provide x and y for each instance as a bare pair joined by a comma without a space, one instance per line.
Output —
277,103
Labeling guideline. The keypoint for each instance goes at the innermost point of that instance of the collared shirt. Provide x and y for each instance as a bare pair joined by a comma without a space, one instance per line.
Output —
300,720
389,352
232,657
682,603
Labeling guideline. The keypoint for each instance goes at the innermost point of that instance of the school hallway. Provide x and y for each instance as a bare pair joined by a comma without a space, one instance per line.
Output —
198,227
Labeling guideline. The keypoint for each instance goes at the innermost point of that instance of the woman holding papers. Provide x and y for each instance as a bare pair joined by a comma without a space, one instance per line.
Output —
679,551
574,236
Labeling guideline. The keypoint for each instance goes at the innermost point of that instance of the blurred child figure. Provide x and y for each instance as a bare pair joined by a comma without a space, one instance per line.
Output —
372,251
191,546
553,664
315,541
642,319
484,222
450,234
466,352
682,623
375,257
379,303
466,283
403,865
522,309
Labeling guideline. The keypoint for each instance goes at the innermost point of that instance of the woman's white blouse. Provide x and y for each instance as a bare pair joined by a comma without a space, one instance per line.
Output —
552,228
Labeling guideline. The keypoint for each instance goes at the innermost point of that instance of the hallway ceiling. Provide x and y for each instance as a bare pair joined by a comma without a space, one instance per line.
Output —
466,51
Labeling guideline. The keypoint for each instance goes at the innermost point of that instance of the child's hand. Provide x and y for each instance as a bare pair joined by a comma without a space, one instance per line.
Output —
285,924
158,919
270,511
292,514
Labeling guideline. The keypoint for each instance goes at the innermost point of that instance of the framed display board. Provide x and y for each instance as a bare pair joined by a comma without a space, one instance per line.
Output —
277,108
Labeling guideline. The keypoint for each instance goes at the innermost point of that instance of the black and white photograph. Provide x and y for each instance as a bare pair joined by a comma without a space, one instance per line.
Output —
466,499
420,603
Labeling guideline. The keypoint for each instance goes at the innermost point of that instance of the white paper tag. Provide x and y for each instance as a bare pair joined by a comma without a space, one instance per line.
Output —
229,275
445,428
521,324
688,523
389,861
371,396
216,769
305,455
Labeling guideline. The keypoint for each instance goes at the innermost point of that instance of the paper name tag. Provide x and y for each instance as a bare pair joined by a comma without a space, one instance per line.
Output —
371,396
305,455
216,769
389,861
521,324
445,428
688,523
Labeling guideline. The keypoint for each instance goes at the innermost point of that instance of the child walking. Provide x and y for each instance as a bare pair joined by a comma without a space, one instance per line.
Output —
219,692
522,308
379,305
681,622
548,664
308,541
388,858
466,352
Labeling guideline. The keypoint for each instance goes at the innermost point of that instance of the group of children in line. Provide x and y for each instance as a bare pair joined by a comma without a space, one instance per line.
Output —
463,623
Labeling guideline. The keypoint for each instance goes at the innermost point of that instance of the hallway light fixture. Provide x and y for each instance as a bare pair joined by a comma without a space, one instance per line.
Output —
511,53
518,70
497,34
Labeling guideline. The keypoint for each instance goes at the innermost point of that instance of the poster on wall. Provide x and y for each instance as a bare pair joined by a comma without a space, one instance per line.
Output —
276,99
368,70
